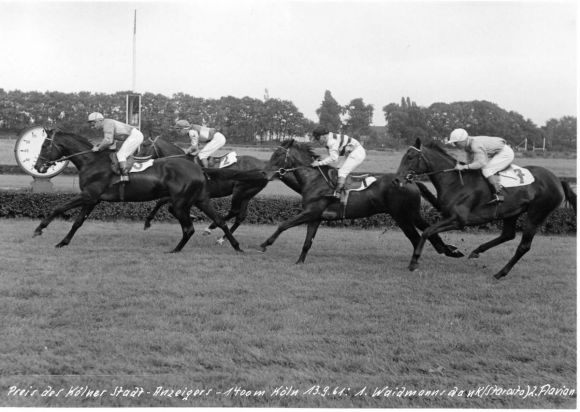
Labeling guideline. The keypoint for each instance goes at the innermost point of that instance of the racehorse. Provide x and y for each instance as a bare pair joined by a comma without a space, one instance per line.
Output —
462,200
318,204
178,179
242,191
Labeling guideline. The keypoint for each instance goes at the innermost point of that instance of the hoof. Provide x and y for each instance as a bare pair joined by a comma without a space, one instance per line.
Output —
474,255
262,248
37,233
413,266
146,226
61,244
240,251
499,275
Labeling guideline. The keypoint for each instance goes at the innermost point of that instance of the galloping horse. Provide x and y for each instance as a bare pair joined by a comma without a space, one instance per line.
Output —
462,200
403,204
180,180
242,191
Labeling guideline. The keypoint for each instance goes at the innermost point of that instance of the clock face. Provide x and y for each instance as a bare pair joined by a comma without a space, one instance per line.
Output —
27,149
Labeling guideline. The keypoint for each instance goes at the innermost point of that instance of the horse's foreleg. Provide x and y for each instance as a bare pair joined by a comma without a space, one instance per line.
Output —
304,217
206,207
151,215
441,226
239,211
508,233
75,202
310,233
438,243
82,216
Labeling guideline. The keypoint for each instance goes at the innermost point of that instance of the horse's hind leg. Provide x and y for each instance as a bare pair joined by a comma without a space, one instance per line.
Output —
152,214
84,213
311,230
508,233
535,217
181,212
206,207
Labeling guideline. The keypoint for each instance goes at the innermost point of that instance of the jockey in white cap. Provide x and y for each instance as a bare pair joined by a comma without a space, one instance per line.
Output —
490,154
213,139
115,130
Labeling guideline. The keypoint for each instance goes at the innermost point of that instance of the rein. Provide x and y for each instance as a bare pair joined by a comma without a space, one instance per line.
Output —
414,176
282,171
62,159
153,143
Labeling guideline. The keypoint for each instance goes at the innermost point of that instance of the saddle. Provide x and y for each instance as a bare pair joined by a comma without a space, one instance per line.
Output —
222,161
354,183
135,164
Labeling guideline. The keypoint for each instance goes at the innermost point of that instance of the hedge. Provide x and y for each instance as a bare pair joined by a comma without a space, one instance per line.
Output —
262,210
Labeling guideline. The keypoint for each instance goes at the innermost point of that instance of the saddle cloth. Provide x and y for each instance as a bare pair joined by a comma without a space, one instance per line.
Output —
356,183
223,161
137,165
515,176
141,166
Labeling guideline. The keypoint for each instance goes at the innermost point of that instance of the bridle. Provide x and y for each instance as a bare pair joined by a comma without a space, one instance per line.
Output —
53,144
157,153
412,175
283,170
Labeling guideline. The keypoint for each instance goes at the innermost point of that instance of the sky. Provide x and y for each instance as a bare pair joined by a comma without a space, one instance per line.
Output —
520,55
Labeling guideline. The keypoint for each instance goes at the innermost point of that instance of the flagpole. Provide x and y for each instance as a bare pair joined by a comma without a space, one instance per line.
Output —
134,49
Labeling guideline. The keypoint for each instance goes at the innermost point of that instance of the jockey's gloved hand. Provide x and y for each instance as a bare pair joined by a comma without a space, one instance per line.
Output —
460,166
95,148
316,163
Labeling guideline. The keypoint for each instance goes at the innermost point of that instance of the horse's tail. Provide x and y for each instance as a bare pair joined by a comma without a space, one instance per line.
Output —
570,195
427,195
236,174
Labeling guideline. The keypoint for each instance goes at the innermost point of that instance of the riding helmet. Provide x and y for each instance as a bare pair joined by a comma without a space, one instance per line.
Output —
458,135
319,131
94,116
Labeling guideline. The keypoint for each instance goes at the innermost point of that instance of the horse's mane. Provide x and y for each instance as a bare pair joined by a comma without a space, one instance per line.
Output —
433,145
303,147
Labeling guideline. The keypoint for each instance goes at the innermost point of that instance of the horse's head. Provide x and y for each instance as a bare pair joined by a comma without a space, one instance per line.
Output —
421,159
289,155
158,147
50,151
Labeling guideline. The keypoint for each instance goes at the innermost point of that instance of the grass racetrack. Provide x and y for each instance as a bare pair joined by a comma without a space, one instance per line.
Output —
113,320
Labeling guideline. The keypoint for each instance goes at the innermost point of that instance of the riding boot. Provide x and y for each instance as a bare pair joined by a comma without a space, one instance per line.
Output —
124,171
204,163
339,187
495,187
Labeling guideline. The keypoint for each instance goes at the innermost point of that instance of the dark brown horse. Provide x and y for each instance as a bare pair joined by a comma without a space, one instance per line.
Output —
178,179
462,199
242,191
403,204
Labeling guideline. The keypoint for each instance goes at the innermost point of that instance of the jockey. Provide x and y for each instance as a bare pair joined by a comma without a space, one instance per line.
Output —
214,140
339,145
490,154
115,130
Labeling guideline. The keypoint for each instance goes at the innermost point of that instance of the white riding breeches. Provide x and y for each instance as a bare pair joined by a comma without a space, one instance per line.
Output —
353,160
212,146
130,145
499,162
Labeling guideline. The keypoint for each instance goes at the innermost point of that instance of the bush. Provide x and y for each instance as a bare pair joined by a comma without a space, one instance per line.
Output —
262,210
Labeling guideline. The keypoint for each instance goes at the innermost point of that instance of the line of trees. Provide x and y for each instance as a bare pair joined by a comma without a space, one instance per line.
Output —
248,120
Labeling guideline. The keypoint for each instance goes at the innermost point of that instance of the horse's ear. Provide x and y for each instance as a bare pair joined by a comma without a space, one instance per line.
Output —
418,143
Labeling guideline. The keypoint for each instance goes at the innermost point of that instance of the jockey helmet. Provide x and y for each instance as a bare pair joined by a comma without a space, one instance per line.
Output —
458,135
182,124
319,131
93,117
